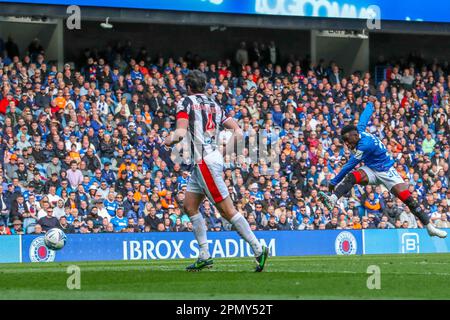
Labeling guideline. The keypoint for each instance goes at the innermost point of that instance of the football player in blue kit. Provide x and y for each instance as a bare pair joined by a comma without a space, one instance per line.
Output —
378,168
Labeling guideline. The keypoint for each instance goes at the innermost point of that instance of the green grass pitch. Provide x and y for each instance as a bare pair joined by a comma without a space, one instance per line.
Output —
424,276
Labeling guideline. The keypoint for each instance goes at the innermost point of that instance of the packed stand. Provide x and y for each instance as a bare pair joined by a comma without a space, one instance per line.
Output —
80,148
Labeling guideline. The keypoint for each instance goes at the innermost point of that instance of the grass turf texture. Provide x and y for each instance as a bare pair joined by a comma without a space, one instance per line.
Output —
424,276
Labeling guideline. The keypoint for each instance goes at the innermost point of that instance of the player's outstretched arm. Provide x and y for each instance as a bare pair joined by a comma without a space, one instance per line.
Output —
349,166
179,133
366,115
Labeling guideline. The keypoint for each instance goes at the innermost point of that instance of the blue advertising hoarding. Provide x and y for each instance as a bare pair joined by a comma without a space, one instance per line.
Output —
414,10
148,246
10,249
393,241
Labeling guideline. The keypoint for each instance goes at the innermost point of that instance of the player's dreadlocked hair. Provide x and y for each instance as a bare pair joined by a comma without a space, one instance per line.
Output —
347,129
196,80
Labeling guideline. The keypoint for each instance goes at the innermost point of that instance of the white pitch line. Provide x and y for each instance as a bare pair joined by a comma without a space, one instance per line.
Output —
242,270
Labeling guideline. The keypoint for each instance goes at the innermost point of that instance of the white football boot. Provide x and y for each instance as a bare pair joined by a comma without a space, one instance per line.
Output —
433,231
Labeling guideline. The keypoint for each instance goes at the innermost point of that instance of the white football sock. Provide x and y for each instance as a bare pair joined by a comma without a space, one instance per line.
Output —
243,228
199,229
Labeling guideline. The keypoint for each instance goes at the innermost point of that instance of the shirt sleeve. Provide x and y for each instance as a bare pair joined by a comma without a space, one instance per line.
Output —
225,118
183,109
349,166
365,117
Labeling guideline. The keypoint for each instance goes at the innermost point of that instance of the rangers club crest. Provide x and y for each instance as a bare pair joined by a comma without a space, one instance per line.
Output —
345,243
39,252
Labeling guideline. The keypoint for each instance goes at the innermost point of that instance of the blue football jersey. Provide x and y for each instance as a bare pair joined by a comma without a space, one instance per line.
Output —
369,149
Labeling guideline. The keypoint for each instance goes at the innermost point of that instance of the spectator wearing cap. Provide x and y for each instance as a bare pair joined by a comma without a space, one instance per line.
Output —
17,228
107,174
101,210
126,169
94,216
309,187
134,212
11,166
259,196
52,182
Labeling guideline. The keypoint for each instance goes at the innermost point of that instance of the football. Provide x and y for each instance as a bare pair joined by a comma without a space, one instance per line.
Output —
55,239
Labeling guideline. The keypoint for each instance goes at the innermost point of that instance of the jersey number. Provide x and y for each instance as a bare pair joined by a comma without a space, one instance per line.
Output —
210,125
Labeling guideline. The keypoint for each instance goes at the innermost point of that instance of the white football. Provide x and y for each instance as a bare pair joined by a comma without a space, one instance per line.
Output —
55,239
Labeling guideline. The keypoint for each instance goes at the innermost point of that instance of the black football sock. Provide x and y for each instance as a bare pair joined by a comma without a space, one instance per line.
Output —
345,186
416,210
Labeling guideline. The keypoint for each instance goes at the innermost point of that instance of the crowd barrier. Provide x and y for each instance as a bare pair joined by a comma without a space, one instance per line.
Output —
145,246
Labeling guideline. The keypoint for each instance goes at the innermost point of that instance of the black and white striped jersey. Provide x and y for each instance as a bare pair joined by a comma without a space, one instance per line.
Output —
205,118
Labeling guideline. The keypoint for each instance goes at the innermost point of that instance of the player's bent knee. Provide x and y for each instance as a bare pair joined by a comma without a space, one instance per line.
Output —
190,211
360,177
357,176
404,195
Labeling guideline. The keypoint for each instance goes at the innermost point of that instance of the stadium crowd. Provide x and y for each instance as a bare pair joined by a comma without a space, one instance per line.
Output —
80,148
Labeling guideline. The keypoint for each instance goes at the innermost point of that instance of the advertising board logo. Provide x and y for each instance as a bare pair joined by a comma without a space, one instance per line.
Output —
39,252
410,243
345,243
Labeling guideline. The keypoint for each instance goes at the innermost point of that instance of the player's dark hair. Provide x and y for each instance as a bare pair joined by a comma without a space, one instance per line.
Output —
196,80
347,129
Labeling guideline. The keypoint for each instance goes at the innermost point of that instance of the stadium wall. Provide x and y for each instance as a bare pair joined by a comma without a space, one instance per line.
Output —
175,40
151,246
398,46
